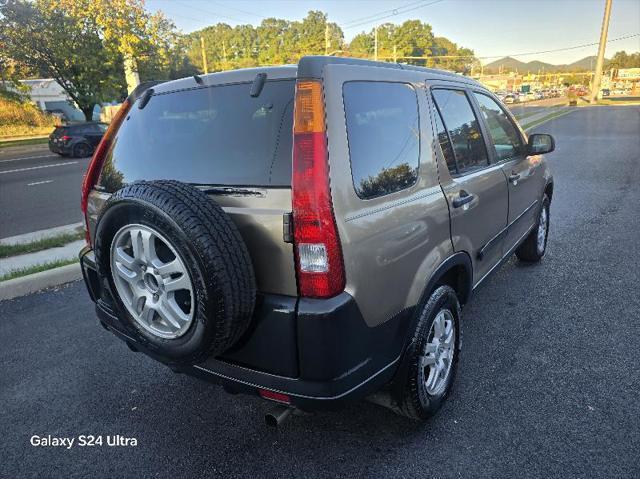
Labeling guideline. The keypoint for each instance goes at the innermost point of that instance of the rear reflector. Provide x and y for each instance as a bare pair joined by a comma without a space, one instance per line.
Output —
319,263
274,396
95,166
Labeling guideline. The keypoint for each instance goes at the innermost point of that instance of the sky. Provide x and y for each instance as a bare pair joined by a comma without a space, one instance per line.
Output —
492,28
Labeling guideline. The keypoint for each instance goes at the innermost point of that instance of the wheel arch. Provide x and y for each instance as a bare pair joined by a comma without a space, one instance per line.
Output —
548,189
456,271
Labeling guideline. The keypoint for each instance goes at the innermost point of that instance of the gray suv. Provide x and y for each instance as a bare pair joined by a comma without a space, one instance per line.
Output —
309,233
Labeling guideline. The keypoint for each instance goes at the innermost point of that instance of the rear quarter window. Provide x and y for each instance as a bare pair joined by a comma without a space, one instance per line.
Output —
216,135
383,131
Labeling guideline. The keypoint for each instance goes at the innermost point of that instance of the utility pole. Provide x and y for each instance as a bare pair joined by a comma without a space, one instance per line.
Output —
204,56
395,54
597,78
375,43
326,38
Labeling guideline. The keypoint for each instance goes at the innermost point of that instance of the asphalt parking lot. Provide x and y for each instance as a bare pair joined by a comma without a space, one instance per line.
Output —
548,383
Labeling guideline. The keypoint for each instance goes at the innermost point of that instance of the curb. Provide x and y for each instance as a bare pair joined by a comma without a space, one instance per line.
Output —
35,282
40,234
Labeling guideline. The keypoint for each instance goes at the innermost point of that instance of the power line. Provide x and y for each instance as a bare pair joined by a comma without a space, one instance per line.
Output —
561,49
253,14
398,11
511,54
393,11
215,14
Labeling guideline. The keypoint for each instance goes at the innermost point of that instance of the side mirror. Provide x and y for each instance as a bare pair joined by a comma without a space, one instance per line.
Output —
540,143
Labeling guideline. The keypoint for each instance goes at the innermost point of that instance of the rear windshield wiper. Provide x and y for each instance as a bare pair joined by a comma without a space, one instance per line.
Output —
229,190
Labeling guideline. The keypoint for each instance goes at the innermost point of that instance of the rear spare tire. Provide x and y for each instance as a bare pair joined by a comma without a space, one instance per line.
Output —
177,269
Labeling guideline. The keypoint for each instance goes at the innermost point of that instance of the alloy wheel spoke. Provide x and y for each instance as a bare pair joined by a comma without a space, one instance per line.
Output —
166,269
426,361
174,284
438,326
123,258
146,316
170,311
125,273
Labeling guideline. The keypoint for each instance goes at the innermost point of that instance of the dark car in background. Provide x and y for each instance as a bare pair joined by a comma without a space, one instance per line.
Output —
79,140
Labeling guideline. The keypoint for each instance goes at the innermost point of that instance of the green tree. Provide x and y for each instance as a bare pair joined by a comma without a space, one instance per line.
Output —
83,44
43,37
623,59
273,42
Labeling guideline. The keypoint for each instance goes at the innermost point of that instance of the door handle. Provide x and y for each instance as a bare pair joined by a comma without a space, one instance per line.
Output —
514,177
462,199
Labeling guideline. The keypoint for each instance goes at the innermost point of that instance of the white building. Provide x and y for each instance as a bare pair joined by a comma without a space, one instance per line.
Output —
48,95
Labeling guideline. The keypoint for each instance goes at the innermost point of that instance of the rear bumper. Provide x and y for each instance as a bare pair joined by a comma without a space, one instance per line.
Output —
58,148
327,357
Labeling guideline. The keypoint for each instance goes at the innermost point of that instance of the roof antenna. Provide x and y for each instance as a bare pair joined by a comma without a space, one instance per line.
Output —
198,80
258,84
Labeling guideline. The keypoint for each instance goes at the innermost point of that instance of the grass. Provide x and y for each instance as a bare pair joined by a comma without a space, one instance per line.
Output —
18,273
7,250
25,141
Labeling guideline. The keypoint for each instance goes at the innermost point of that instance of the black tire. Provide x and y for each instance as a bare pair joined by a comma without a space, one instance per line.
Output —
529,251
81,150
415,401
214,254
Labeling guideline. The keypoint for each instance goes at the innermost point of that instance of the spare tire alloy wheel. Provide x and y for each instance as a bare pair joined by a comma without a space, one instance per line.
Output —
152,280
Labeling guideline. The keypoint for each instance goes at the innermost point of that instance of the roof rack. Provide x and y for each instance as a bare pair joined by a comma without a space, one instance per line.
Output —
312,66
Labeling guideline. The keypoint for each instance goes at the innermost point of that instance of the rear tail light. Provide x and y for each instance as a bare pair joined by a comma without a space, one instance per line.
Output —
65,138
95,165
319,263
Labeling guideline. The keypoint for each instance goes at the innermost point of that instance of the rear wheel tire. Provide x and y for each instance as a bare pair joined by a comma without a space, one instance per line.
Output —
534,246
81,150
431,358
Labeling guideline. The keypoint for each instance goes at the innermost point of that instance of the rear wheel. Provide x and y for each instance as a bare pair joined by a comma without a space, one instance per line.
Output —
81,150
432,356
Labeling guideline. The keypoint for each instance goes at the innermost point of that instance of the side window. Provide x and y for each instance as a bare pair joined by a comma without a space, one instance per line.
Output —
468,145
384,136
506,138
445,144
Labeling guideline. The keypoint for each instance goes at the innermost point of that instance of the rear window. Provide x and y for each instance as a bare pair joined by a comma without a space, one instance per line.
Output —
215,135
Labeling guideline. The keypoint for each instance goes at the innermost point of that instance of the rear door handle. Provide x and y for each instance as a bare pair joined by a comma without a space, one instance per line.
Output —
514,177
462,199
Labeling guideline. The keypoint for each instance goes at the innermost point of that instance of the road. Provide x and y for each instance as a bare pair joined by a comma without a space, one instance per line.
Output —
38,189
548,384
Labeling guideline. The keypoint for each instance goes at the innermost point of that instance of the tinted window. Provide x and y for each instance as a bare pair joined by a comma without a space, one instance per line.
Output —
445,144
217,135
384,136
506,138
461,123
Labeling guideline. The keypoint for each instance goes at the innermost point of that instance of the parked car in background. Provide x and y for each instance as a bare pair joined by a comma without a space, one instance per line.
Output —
310,233
510,99
78,140
606,92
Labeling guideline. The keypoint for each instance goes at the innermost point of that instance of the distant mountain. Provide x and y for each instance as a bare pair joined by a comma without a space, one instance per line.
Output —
508,64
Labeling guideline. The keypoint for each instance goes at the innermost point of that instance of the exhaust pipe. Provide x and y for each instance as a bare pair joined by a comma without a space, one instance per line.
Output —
277,415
